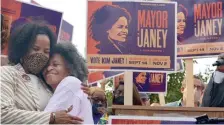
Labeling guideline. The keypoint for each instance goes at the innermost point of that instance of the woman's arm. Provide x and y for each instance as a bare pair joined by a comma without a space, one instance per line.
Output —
9,113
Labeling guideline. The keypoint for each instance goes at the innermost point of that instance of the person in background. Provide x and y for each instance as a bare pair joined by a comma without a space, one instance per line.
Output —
67,69
118,95
145,99
214,93
99,103
198,92
23,94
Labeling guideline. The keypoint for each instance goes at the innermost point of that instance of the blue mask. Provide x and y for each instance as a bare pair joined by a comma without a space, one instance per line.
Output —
95,107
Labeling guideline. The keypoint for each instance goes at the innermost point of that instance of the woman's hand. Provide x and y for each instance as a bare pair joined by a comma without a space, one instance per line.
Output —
61,117
86,89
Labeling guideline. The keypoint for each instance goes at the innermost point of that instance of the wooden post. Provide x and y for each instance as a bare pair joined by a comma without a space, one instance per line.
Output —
189,83
128,88
161,99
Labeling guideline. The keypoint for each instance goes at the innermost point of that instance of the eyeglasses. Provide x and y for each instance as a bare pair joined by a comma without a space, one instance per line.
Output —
198,87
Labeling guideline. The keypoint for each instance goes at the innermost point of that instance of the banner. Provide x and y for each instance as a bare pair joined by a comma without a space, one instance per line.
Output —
100,75
16,13
149,82
150,120
66,28
200,28
136,36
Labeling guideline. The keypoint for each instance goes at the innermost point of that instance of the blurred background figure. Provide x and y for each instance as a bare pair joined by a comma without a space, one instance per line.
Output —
145,99
99,103
198,92
214,93
118,95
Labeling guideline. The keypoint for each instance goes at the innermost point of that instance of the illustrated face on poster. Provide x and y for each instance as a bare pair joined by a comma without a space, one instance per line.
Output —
199,28
150,82
128,35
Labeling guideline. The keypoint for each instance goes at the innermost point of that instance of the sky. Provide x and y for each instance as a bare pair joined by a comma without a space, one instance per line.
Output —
75,12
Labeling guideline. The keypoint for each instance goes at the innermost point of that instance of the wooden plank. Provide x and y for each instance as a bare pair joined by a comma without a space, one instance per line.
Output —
152,111
189,83
161,99
128,88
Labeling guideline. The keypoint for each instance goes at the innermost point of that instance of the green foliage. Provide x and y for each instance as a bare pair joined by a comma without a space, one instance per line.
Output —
108,91
174,86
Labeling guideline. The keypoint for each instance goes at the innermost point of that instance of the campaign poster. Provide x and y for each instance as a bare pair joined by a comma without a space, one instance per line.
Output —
66,29
150,120
100,75
150,82
135,36
200,28
16,13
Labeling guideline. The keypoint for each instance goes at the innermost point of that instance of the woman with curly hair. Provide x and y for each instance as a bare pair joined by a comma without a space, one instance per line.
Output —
109,27
67,69
24,95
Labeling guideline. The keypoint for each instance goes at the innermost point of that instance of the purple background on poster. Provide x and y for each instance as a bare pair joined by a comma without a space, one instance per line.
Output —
132,47
68,28
188,37
132,35
52,17
149,87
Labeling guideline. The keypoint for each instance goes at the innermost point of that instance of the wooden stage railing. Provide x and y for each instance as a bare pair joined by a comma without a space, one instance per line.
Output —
152,111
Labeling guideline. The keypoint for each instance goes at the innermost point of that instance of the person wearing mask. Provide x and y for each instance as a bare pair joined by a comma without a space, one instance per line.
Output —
24,95
118,95
198,92
67,70
99,103
214,95
145,99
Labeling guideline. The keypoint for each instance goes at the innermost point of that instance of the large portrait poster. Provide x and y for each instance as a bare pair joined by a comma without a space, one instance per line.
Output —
132,36
150,82
200,28
16,13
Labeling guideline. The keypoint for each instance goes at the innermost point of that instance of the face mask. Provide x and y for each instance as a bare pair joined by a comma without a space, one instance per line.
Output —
119,100
35,63
218,77
95,108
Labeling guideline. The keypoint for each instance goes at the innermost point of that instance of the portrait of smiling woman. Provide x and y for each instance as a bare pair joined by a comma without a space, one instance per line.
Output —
109,26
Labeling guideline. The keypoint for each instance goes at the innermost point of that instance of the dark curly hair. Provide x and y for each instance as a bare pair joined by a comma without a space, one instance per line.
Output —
75,62
181,8
23,37
103,19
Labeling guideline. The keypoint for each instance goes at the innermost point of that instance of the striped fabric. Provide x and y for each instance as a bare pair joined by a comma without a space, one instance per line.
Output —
19,102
